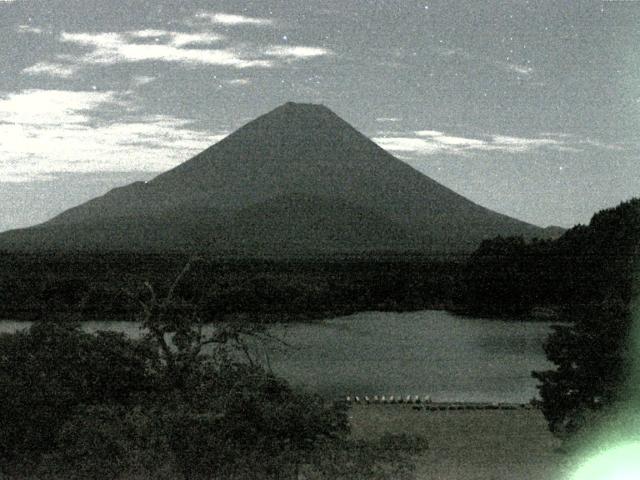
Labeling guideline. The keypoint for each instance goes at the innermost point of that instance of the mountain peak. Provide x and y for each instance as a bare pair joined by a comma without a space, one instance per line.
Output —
294,123
298,176
302,110
303,106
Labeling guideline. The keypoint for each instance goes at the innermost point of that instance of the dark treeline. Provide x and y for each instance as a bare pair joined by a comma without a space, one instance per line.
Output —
506,277
106,286
587,265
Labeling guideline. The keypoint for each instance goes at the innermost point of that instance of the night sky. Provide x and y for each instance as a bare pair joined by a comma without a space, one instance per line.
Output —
528,108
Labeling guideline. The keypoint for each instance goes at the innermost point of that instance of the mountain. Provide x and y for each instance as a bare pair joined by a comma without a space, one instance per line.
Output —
297,180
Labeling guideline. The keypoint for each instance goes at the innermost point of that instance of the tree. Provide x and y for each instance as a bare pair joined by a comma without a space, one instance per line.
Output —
496,280
593,355
52,368
105,442
220,414
591,367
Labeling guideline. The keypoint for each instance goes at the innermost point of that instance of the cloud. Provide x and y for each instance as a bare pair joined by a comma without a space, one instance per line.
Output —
230,19
142,80
239,81
429,133
407,145
582,141
513,67
182,39
157,45
504,66
517,144
111,48
48,132
460,141
57,70
28,29
50,107
296,52
441,138
149,33
177,39
108,48
434,141
427,142
603,145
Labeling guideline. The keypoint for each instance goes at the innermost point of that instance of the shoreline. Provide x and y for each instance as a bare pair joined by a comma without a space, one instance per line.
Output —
440,405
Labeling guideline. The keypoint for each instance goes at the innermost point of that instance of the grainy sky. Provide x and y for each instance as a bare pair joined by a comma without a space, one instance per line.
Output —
529,108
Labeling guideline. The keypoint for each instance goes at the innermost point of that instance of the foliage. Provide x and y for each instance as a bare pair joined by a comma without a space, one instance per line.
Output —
49,370
254,417
498,278
90,286
107,442
588,265
237,412
592,355
175,404
590,358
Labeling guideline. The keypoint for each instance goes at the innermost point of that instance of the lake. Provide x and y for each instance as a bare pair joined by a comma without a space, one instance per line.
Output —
431,352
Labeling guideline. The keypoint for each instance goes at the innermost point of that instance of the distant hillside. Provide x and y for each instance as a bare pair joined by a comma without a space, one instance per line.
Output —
298,180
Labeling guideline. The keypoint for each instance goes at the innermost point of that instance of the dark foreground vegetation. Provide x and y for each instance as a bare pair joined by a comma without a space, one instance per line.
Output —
596,355
105,286
66,392
75,405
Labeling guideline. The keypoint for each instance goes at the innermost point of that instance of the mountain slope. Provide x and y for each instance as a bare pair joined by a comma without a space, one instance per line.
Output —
297,178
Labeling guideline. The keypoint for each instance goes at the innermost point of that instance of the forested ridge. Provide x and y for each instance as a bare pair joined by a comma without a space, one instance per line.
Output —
104,286
505,277
588,264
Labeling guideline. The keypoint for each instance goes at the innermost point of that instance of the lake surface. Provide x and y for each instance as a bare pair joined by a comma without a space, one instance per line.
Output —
417,353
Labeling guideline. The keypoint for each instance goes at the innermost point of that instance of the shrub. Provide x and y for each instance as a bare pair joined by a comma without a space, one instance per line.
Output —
52,368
